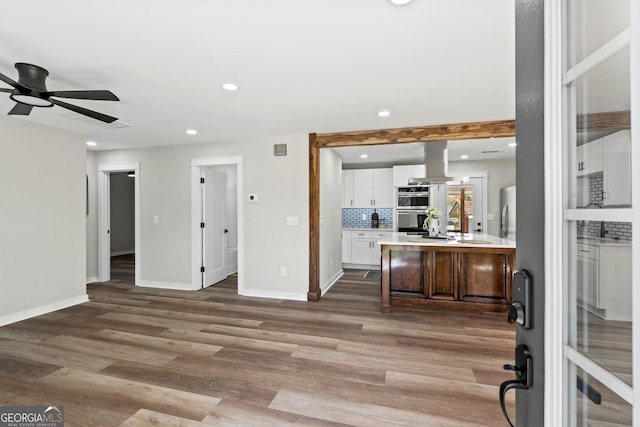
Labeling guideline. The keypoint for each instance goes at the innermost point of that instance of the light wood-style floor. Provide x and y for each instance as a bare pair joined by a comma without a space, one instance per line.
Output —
140,356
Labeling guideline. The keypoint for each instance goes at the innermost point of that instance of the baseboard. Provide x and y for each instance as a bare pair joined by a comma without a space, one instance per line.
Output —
165,285
331,282
39,311
361,266
92,279
127,252
275,295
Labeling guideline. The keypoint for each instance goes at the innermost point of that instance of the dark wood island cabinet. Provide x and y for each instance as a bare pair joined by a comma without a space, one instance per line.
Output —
465,273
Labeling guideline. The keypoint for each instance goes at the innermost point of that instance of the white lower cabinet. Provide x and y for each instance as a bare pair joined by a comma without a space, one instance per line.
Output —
604,280
365,249
360,249
346,246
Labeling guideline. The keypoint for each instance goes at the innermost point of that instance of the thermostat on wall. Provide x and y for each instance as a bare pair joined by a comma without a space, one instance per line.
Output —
253,198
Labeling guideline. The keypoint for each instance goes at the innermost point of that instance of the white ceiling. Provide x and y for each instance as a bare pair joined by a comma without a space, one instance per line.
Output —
302,66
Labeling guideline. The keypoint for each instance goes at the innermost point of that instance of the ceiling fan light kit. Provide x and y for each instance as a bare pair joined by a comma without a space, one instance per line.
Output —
31,91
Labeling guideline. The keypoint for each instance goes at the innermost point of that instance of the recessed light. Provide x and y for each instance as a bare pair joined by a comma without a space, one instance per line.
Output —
192,131
400,2
363,156
464,156
229,86
513,144
384,113
91,143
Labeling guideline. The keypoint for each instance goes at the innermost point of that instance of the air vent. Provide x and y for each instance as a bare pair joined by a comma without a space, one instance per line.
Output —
89,121
280,149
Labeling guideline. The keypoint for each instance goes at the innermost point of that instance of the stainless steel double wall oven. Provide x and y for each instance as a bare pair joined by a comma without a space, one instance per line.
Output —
410,208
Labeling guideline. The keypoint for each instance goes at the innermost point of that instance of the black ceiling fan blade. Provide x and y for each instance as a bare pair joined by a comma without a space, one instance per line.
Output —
84,111
21,109
97,95
11,82
6,90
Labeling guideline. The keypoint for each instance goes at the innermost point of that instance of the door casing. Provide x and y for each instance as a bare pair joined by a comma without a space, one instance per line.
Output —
196,210
457,131
104,207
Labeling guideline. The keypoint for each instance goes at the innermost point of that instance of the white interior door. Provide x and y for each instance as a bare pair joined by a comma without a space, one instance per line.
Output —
214,196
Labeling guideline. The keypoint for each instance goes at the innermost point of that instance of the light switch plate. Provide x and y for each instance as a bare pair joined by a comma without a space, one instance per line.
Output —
292,220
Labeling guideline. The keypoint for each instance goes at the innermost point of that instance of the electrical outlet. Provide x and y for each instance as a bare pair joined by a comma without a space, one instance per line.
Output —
283,271
364,217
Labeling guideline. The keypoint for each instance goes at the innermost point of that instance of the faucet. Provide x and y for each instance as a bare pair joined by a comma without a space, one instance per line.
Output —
603,231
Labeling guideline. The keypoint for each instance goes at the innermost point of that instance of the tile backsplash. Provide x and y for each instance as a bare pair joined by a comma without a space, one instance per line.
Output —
619,230
352,217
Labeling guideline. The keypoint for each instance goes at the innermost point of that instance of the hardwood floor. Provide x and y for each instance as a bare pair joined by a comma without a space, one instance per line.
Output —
140,356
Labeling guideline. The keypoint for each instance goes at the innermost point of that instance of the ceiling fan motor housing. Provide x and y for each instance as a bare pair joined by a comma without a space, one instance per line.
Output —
32,77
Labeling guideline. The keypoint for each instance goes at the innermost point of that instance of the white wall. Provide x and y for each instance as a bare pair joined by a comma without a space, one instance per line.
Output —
330,263
502,173
92,220
282,186
42,219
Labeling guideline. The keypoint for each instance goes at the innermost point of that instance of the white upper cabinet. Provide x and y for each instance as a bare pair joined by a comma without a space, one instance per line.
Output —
589,157
362,188
383,188
402,173
367,188
347,188
611,156
617,169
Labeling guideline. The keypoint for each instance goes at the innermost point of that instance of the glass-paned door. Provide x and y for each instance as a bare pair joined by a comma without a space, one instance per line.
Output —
465,206
599,224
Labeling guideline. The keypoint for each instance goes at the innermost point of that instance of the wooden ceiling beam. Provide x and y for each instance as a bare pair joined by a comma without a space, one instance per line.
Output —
475,130
610,120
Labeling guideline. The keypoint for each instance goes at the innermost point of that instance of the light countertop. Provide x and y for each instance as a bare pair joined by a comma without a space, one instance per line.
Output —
368,229
474,240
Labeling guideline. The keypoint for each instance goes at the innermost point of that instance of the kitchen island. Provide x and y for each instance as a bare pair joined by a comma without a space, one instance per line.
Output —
471,271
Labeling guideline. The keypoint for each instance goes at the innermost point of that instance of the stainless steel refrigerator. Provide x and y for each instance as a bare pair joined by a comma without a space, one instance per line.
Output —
508,212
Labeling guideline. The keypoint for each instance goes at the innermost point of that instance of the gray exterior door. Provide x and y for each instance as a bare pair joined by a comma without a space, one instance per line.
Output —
530,197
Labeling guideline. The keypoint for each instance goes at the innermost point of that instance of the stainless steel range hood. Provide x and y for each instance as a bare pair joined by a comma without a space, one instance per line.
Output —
436,163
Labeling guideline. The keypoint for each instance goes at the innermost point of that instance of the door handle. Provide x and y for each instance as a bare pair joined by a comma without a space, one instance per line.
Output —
523,369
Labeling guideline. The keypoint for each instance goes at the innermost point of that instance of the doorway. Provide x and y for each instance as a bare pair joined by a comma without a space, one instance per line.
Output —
104,217
466,206
213,225
122,227
458,131
217,248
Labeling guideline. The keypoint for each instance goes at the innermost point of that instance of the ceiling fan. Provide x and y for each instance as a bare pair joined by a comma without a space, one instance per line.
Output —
30,91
